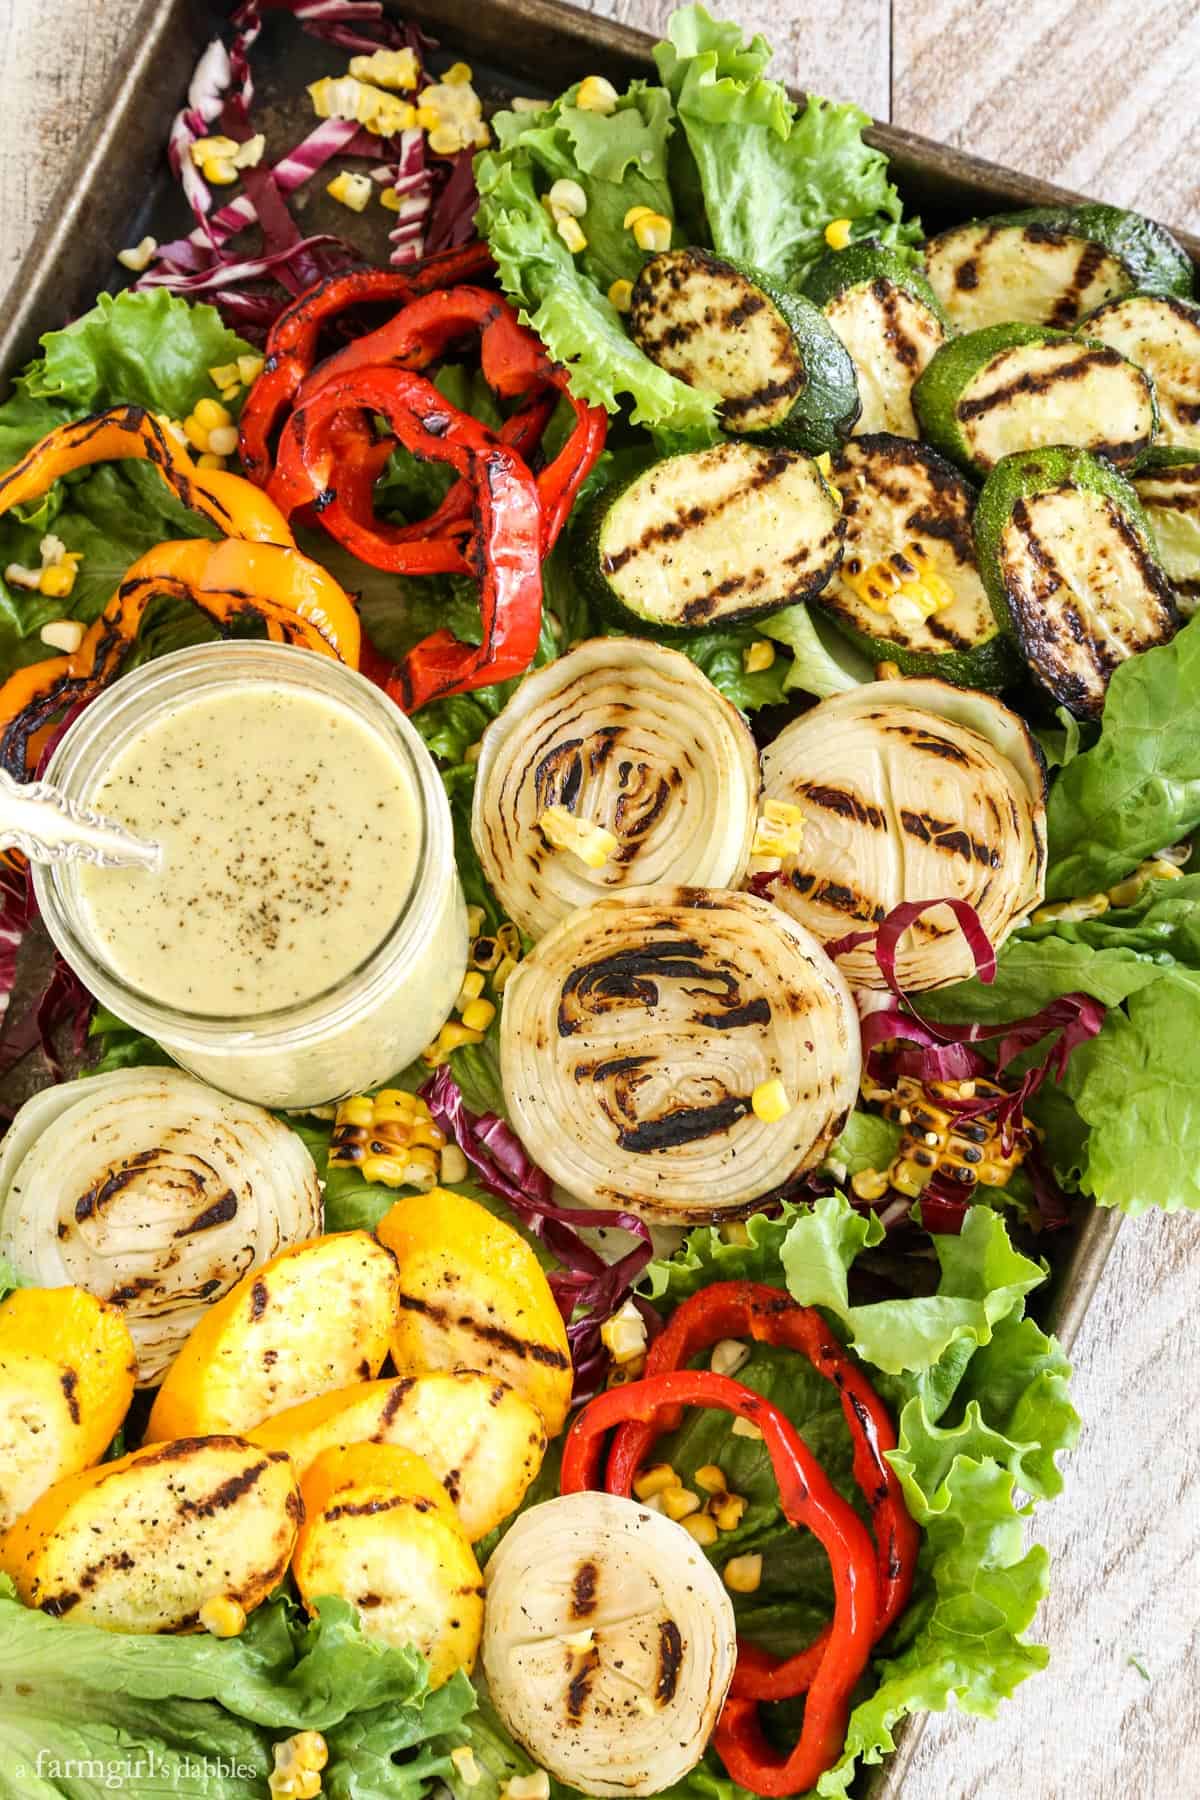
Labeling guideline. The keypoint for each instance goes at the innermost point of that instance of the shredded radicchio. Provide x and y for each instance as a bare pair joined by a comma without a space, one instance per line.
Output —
437,199
588,1289
899,1041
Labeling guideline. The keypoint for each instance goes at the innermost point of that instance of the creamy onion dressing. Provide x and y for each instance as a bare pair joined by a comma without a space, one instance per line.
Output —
290,833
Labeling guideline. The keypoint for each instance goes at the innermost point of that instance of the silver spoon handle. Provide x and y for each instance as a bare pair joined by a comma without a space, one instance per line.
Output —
39,820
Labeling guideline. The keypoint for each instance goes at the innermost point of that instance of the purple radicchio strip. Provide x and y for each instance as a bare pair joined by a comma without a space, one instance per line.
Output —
586,1283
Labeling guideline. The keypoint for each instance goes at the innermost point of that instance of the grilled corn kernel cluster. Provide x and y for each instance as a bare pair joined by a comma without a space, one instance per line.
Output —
904,585
211,433
230,378
1165,865
451,112
705,1518
390,1138
940,1141
298,1763
567,203
396,69
778,830
55,577
221,159
591,843
624,1337
491,958
372,107
651,230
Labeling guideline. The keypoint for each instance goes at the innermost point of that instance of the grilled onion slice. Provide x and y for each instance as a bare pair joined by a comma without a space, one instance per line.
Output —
911,790
608,1643
628,736
153,1191
634,1037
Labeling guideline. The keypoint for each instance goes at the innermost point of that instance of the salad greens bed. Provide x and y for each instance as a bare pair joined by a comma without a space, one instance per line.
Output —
978,1389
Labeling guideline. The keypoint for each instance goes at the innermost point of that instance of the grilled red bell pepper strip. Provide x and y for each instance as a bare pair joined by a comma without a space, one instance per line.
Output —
504,550
513,362
292,343
807,1498
733,1309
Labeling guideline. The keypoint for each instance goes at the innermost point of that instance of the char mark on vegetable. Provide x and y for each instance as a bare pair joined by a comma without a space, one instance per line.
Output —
584,1584
527,1349
1033,383
670,1660
219,1213
845,804
683,1125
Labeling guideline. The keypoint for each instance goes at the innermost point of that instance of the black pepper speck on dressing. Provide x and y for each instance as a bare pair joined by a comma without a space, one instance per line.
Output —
290,833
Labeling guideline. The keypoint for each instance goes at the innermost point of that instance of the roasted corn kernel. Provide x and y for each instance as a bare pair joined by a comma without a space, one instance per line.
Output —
652,232
572,233
710,1479
475,918
620,295
472,987
463,1759
215,159
758,656
728,1511
64,635
746,1428
452,1036
137,256
680,1503
223,1616
870,1184
596,94
624,1335
346,97
769,1101
656,1480
390,1139
299,1760
837,233
1155,868
939,1140
451,112
454,1166
478,1015
702,1528
567,196
1070,912
743,1574
729,1356
351,190
504,973
592,844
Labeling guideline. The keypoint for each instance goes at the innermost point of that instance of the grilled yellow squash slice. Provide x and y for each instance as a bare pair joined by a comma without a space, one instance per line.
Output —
67,1369
314,1318
141,1544
473,1296
483,1440
380,1531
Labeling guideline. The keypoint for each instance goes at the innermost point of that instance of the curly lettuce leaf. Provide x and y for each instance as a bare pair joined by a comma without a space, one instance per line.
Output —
154,350
980,1396
182,1706
823,662
771,177
867,1141
1122,1126
573,317
1137,789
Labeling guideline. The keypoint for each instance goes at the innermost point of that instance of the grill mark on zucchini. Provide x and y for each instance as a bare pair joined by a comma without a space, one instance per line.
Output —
905,349
1069,303
775,464
1035,384
738,405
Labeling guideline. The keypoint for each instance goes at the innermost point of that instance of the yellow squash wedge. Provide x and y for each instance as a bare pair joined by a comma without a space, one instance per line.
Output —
473,1296
314,1318
483,1440
67,1369
141,1544
380,1531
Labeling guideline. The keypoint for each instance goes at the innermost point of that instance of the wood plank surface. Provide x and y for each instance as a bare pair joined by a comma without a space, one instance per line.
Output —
1099,96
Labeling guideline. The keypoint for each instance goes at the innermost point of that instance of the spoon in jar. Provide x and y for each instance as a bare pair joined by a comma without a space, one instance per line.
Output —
39,820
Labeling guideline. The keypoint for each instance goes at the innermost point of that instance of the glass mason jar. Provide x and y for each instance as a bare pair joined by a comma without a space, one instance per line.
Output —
368,1024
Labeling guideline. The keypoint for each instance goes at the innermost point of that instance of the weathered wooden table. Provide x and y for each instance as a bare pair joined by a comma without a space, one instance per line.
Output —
1101,98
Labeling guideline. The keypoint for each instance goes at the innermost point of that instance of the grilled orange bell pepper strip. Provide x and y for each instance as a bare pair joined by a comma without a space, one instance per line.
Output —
236,507
292,598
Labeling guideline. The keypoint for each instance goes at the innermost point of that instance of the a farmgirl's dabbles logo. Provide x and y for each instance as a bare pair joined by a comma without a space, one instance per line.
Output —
175,1768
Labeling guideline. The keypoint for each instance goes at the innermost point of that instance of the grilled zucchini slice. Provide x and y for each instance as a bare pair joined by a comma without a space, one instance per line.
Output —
483,1440
380,1532
891,322
1168,486
711,536
1161,334
140,1544
1051,265
1069,561
1020,387
778,368
907,508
